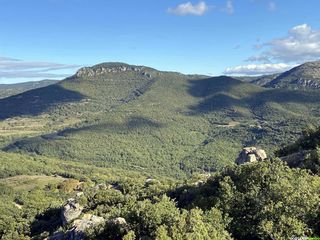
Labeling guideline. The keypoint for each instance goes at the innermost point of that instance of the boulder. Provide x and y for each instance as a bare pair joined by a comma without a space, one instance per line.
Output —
70,211
250,155
80,226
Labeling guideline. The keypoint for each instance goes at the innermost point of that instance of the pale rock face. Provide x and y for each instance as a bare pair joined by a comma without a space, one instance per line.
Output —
119,221
250,155
86,222
70,211
79,227
100,70
261,154
251,158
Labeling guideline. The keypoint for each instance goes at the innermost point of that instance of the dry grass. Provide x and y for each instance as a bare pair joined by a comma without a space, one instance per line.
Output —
27,183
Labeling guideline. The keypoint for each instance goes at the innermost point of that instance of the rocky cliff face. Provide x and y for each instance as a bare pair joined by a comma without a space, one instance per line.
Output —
106,68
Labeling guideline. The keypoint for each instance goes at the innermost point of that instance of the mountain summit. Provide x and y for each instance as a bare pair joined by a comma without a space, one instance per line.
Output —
112,67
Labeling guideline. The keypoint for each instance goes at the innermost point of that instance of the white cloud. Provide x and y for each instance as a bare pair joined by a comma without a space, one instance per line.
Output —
301,44
229,7
272,6
16,68
258,69
190,9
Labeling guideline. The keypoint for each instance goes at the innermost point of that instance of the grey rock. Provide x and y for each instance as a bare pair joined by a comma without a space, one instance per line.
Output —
250,155
80,226
70,211
119,221
103,69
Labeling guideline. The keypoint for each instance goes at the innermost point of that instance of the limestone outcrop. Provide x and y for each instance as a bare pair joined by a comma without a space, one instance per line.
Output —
70,211
251,154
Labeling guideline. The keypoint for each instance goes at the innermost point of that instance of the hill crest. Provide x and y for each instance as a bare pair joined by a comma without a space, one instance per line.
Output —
305,76
112,67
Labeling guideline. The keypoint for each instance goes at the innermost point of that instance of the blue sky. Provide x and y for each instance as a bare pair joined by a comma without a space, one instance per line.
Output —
53,38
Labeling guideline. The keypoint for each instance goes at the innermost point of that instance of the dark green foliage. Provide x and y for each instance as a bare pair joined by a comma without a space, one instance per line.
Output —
265,200
160,219
305,152
309,140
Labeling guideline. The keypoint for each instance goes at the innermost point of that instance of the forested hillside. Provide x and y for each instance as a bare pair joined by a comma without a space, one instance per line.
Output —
138,118
128,152
259,200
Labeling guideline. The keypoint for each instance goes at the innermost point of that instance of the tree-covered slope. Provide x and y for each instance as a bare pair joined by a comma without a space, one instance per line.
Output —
160,122
84,92
258,80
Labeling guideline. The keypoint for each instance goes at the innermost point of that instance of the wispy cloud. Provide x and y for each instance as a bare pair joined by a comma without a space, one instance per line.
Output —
229,7
8,59
263,59
270,5
17,68
189,9
30,74
258,69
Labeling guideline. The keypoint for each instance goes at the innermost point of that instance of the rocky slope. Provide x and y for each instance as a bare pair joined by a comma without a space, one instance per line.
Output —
305,76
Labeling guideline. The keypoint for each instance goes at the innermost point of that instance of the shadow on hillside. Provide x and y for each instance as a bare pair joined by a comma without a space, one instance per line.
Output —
135,123
36,101
48,221
131,124
226,93
208,86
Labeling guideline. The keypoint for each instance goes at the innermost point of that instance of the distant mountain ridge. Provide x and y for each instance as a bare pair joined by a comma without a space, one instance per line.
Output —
7,90
305,76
